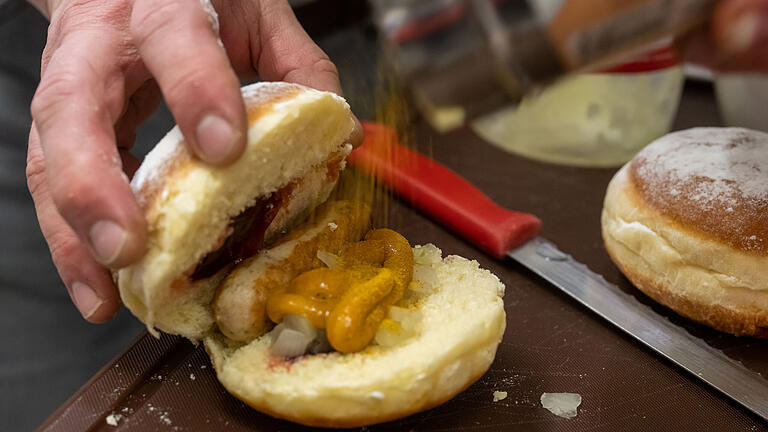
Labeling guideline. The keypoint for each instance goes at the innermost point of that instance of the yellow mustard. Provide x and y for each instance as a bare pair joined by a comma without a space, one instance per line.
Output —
350,301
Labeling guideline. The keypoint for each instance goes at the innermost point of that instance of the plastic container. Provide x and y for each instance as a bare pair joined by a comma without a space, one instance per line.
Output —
595,120
741,98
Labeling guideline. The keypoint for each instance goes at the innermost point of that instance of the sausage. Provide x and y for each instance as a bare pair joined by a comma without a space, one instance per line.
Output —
239,306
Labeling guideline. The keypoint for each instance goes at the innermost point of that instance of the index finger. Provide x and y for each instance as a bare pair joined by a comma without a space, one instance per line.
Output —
287,53
180,48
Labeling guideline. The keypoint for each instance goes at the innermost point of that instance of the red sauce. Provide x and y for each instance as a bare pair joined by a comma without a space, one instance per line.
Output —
247,234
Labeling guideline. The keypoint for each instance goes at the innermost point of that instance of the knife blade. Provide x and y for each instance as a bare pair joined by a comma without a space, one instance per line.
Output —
457,204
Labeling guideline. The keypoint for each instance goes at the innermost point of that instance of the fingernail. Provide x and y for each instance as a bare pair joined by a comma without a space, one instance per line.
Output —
86,300
216,138
743,33
107,240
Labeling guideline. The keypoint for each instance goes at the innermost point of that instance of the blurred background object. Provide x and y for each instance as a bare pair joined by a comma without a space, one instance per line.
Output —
441,49
464,59
592,119
44,359
741,98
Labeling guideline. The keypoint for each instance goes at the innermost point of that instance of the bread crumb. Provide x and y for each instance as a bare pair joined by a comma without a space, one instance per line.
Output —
192,376
113,419
332,226
499,395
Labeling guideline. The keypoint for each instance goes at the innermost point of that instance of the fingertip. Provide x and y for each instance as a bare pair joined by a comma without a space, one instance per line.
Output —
102,209
358,133
89,285
192,70
104,313
96,306
116,245
219,141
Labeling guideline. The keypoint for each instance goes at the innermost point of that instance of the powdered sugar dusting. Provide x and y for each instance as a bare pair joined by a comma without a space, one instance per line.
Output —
255,94
728,162
715,178
213,18
158,161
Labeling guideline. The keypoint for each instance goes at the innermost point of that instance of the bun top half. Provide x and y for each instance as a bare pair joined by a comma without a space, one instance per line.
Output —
292,132
709,181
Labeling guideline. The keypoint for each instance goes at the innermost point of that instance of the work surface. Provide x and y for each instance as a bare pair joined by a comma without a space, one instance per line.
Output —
551,344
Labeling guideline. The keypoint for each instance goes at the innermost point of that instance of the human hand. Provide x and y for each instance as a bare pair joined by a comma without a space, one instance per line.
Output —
737,39
104,69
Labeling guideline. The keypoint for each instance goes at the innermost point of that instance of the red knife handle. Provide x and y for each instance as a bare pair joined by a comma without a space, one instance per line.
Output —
441,193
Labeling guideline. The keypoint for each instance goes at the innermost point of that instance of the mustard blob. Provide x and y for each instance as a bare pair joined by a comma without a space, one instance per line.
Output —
350,301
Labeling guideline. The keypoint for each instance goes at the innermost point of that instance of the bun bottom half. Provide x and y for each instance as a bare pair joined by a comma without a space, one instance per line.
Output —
461,322
693,274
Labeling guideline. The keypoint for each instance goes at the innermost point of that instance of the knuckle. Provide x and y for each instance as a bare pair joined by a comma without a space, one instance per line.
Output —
63,247
89,13
52,93
85,15
196,80
73,194
325,65
35,173
150,18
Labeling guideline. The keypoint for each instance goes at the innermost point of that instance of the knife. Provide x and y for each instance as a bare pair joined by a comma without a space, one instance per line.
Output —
457,204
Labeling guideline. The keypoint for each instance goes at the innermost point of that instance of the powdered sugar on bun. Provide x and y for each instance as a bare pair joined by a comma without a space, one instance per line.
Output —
157,163
713,180
171,153
255,95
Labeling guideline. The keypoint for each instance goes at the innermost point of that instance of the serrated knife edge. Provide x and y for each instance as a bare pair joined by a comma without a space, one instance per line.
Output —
730,377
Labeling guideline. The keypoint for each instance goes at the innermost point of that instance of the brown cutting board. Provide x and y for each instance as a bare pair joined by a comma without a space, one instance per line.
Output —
551,344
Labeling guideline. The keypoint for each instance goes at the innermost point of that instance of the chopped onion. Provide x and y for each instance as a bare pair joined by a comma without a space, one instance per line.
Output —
291,337
329,259
390,334
427,276
407,318
275,333
301,324
400,326
290,343
561,404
